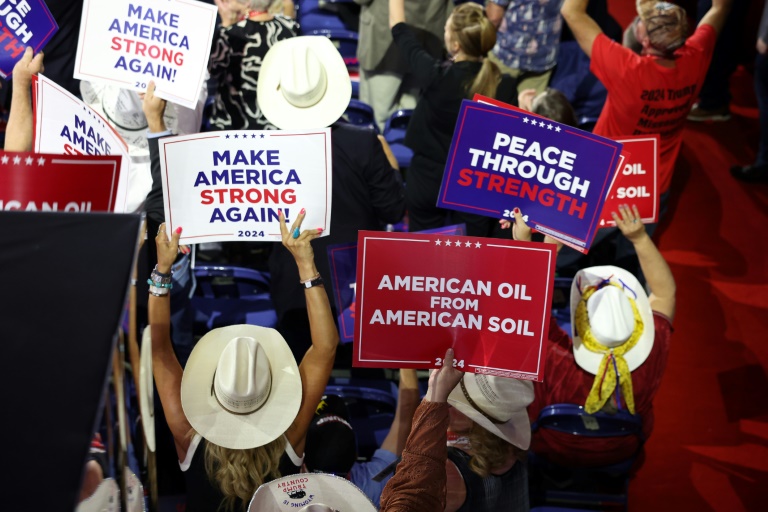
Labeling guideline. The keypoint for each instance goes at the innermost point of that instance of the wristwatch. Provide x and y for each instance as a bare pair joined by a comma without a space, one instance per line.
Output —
318,281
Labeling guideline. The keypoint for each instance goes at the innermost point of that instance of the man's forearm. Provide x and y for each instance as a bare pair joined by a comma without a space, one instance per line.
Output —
18,133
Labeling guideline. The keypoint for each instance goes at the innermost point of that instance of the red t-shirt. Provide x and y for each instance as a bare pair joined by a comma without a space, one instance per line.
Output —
567,383
646,98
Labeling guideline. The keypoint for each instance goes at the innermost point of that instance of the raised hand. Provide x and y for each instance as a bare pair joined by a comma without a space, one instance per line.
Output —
154,108
443,380
28,65
167,248
630,223
298,244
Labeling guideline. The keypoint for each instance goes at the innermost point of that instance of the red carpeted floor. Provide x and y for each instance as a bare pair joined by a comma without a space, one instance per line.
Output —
709,449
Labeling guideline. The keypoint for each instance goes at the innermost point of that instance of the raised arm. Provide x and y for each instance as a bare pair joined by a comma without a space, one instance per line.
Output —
584,28
18,133
165,365
655,268
717,14
419,482
317,363
396,12
495,10
407,401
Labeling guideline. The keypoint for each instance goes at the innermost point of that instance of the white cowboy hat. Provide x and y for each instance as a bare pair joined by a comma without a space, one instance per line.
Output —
611,317
241,387
147,391
310,492
303,83
497,404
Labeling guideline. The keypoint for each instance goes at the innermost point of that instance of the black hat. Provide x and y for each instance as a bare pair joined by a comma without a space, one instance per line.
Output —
331,444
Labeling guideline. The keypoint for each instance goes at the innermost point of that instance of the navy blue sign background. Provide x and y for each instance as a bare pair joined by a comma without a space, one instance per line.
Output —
25,24
343,260
502,159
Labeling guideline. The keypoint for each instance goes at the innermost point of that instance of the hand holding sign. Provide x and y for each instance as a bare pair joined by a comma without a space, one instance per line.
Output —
298,244
154,109
443,380
29,65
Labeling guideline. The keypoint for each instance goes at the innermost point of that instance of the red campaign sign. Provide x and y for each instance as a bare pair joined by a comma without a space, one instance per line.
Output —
489,299
636,181
63,183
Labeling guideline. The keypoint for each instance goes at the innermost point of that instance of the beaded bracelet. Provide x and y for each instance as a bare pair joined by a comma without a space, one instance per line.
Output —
156,284
155,271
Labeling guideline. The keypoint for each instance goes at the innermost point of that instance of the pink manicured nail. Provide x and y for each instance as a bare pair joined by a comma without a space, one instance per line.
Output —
303,211
178,229
517,210
279,212
319,230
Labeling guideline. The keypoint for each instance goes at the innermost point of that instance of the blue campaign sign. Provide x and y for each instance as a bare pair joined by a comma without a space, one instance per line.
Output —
455,229
506,158
23,23
343,262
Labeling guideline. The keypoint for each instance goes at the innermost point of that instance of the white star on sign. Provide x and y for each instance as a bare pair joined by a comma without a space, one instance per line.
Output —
458,243
438,242
525,120
478,245
468,244
549,127
29,160
541,123
557,129
16,160
447,243
41,161
5,159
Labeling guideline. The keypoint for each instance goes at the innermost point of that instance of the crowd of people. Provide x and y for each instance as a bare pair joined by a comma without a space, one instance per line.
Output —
248,422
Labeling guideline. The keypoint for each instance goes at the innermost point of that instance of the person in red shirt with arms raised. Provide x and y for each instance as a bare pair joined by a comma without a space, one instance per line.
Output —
651,92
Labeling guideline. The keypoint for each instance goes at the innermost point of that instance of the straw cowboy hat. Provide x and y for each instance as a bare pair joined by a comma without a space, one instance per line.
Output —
241,387
147,391
497,404
611,316
310,492
303,83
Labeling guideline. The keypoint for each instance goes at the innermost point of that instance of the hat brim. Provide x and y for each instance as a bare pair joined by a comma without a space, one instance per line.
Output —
325,112
585,358
240,431
516,431
147,391
318,489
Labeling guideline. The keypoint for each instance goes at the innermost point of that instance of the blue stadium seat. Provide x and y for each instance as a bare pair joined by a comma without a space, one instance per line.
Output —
360,114
583,486
394,132
344,40
228,295
312,17
371,411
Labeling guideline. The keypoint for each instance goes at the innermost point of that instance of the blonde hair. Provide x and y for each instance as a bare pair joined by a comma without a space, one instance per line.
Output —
476,36
489,452
238,473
